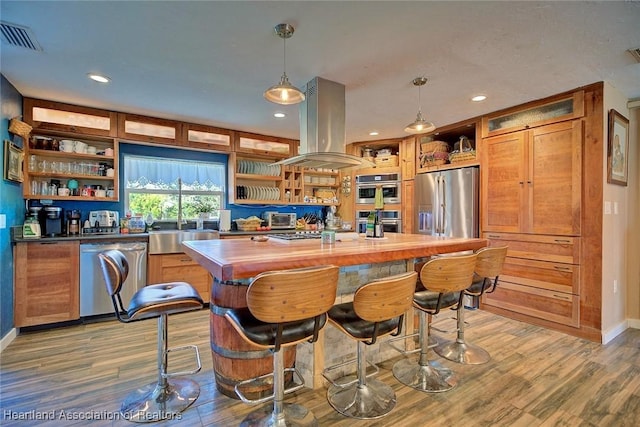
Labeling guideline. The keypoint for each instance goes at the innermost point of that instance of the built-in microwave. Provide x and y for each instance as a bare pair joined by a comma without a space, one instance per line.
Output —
366,186
280,221
391,221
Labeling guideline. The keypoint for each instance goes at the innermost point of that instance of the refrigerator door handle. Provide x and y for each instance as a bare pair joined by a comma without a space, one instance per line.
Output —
443,206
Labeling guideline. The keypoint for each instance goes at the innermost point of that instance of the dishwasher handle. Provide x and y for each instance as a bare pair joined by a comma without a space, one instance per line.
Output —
102,248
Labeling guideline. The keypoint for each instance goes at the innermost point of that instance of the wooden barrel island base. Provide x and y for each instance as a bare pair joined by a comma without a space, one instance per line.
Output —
234,359
232,262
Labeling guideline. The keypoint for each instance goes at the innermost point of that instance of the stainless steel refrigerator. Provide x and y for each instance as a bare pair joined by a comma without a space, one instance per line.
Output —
446,203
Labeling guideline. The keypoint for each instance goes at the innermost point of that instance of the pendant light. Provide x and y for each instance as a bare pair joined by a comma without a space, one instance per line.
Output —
284,93
420,125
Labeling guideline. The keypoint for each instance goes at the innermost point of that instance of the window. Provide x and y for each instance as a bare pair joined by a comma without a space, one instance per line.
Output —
158,186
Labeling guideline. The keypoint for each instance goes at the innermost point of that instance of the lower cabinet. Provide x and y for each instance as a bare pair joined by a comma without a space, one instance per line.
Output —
540,277
179,268
46,282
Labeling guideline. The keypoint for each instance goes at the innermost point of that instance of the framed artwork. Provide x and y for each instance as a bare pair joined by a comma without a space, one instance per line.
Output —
618,149
13,159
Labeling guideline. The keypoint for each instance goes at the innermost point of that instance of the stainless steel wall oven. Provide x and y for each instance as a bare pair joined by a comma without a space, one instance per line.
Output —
390,183
391,221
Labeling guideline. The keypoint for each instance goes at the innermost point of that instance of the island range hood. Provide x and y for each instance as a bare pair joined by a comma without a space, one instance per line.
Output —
322,129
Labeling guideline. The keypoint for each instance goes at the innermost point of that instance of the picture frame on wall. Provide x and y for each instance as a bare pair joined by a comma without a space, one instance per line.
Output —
13,162
618,149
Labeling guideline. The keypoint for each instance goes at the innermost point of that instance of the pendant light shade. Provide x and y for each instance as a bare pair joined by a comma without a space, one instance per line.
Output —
284,93
420,125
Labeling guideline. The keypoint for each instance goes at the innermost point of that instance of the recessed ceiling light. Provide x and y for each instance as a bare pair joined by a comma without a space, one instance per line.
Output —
374,133
98,78
479,98
279,115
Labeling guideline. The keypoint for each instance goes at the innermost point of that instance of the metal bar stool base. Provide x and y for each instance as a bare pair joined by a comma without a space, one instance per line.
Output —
430,378
464,353
372,400
292,415
154,403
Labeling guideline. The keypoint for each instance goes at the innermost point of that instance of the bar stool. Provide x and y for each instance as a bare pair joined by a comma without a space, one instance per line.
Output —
444,279
170,394
377,310
488,268
284,308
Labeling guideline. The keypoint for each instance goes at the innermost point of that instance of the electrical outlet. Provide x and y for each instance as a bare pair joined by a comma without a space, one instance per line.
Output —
607,208
3,221
615,286
615,208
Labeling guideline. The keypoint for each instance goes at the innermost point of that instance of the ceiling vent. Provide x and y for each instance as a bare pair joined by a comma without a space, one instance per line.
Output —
15,35
635,52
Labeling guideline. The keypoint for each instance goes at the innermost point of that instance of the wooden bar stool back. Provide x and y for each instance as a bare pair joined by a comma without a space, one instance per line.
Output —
170,394
444,279
377,310
284,308
488,269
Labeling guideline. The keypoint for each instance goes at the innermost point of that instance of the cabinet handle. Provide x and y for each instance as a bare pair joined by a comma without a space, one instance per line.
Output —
557,267
521,182
493,236
185,260
562,297
562,241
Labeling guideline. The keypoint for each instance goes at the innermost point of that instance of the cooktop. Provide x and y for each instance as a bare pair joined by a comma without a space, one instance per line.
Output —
288,237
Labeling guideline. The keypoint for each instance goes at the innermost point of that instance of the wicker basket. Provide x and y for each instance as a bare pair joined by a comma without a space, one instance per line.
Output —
464,151
20,128
248,224
434,147
437,158
386,161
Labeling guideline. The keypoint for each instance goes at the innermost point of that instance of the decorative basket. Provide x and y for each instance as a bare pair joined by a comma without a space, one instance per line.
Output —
434,147
463,152
20,128
248,224
434,153
386,161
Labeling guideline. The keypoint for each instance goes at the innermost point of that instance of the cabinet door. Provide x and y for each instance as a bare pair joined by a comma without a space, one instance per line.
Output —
149,129
408,158
46,283
407,206
503,175
59,117
179,268
554,179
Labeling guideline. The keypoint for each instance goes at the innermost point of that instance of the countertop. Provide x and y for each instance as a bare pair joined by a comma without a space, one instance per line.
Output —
228,259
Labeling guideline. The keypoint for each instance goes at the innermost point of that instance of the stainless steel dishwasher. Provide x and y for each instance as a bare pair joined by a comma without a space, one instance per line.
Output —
94,299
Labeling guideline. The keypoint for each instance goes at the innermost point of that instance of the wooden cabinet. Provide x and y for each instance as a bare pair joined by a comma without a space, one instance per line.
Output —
207,137
46,282
408,206
321,186
47,116
538,113
45,165
408,158
149,129
179,268
265,145
540,277
531,180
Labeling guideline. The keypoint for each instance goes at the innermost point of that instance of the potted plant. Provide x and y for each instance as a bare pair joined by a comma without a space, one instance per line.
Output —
203,207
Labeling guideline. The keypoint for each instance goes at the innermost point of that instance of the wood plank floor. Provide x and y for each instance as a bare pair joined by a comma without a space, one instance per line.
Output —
536,377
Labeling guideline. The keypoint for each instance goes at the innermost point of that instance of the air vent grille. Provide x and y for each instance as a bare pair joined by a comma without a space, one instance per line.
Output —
636,53
15,35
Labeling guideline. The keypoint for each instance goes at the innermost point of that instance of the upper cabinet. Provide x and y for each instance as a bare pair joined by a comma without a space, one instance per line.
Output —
47,116
531,180
551,110
273,147
207,137
449,147
149,129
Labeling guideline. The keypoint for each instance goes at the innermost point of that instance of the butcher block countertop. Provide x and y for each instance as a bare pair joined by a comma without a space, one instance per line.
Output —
241,259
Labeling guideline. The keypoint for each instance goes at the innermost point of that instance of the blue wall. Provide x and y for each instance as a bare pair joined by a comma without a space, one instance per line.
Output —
11,204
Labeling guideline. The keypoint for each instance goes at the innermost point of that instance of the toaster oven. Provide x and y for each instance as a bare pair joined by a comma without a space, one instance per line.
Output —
280,221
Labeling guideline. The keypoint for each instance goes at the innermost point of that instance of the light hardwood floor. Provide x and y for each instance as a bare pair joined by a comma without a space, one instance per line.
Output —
536,377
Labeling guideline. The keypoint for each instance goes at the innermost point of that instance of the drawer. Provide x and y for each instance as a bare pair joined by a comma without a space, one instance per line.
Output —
176,260
552,276
560,249
535,302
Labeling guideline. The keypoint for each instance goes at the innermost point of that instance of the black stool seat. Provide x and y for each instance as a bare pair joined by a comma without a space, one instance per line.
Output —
164,298
265,334
428,300
345,316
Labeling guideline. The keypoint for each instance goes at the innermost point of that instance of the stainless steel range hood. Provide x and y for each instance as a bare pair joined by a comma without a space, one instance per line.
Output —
322,129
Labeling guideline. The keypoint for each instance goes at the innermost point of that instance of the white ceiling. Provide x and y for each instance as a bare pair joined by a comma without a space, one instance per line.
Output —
209,61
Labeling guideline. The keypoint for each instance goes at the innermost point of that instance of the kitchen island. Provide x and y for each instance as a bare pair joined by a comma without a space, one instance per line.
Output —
233,262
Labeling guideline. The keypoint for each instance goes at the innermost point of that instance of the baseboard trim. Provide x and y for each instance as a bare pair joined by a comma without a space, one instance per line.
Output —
8,339
611,333
634,323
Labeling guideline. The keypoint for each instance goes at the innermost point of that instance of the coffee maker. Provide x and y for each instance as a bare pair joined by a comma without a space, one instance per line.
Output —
51,221
73,222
